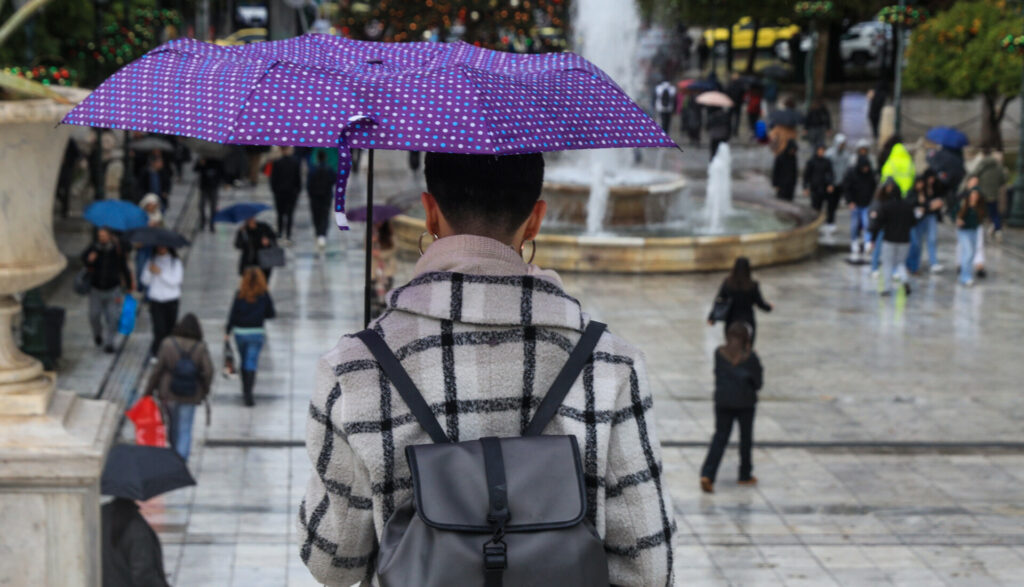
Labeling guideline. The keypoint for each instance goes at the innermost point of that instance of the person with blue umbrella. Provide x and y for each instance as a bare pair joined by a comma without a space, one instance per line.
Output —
106,266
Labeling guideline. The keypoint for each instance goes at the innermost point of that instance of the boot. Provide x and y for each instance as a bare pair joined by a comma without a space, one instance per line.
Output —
248,381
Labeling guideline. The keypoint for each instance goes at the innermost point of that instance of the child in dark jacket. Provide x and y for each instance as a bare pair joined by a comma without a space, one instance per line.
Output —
859,187
819,184
738,377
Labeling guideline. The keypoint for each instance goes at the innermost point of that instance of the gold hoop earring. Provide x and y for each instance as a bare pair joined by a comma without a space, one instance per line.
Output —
533,250
419,243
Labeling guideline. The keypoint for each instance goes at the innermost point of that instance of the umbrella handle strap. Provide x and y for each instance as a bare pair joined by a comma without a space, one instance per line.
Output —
355,123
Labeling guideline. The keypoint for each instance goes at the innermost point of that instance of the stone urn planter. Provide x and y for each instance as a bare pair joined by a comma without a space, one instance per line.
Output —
52,443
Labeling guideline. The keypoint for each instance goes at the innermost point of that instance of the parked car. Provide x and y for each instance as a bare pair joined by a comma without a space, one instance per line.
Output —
768,35
863,44
251,13
243,37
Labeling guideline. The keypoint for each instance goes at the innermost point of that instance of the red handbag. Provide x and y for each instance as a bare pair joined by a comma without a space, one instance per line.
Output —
149,423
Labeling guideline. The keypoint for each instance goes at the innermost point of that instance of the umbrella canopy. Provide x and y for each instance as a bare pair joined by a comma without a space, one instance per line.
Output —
947,136
150,236
718,99
142,472
239,212
786,117
696,85
151,144
325,91
775,72
381,213
116,214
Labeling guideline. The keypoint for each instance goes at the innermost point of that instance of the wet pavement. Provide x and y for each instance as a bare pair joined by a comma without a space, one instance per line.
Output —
888,441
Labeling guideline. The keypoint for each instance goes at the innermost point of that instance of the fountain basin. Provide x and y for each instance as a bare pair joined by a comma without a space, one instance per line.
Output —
665,254
628,205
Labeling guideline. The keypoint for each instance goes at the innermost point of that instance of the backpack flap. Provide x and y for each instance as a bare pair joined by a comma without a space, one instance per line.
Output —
544,477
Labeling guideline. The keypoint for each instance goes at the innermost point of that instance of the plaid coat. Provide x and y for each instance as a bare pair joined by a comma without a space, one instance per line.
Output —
483,336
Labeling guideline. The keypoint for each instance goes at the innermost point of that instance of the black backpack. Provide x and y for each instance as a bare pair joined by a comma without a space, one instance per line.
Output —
492,511
185,374
666,98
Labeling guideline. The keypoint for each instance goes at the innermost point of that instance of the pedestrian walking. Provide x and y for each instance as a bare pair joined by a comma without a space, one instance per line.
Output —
285,183
740,293
876,101
841,159
211,176
181,379
784,172
162,277
968,210
859,187
991,181
924,233
150,204
893,218
154,178
320,188
738,377
489,354
693,119
251,307
252,237
818,123
783,124
106,263
718,128
703,52
899,165
130,549
665,103
753,98
819,185
735,89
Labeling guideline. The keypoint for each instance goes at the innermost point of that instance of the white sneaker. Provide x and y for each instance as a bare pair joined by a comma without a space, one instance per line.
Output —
968,283
936,268
875,274
321,242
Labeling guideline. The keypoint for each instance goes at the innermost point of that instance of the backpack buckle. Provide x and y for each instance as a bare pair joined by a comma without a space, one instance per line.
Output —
495,555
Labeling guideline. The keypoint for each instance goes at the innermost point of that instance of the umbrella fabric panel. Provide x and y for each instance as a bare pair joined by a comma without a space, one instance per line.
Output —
239,212
116,214
142,472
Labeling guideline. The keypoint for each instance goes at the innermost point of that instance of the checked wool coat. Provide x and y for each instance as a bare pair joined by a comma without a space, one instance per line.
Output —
482,335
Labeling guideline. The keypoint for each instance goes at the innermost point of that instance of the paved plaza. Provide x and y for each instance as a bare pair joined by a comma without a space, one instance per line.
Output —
888,440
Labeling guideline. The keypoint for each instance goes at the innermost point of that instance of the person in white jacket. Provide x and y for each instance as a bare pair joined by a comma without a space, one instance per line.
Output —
163,276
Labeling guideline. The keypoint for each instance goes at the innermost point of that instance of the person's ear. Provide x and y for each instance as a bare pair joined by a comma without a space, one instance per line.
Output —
433,212
532,224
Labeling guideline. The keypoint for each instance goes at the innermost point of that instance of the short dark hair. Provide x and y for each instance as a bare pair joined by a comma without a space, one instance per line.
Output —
486,195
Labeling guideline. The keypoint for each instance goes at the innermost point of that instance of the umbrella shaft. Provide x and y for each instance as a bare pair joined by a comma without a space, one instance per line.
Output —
369,241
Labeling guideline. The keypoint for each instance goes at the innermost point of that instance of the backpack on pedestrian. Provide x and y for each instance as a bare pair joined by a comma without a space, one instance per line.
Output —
493,510
185,376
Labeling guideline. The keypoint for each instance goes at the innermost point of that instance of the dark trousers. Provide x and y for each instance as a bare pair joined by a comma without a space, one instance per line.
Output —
734,120
207,201
993,214
284,203
163,315
666,121
714,146
723,428
321,209
829,201
786,192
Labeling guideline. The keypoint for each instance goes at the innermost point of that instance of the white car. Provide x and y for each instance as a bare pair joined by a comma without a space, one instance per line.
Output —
863,44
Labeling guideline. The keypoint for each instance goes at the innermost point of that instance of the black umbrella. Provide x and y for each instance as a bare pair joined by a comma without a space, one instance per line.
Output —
775,72
141,472
786,117
151,236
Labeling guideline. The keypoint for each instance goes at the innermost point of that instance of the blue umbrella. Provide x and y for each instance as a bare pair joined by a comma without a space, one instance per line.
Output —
116,214
240,212
141,472
947,136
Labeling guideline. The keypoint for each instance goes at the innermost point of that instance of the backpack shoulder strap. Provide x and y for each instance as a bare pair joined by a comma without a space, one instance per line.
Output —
566,377
403,384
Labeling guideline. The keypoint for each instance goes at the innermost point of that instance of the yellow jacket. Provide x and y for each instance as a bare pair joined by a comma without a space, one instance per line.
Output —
900,167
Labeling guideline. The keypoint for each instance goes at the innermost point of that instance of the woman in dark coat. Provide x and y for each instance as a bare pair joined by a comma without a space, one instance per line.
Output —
693,119
742,293
738,377
130,549
251,307
784,172
718,127
254,236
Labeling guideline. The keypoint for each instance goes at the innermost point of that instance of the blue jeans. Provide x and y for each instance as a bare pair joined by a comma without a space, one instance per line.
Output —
181,417
859,224
249,346
876,253
924,231
993,214
966,240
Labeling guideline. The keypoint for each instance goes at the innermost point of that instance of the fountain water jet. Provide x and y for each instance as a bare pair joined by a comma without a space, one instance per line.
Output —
718,202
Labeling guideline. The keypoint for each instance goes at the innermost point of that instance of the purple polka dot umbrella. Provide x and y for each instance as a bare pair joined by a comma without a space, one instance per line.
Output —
324,91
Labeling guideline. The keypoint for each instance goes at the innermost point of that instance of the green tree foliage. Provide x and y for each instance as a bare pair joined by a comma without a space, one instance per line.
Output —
957,54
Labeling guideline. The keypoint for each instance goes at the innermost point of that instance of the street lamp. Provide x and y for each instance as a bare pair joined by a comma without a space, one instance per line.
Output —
1016,218
904,18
